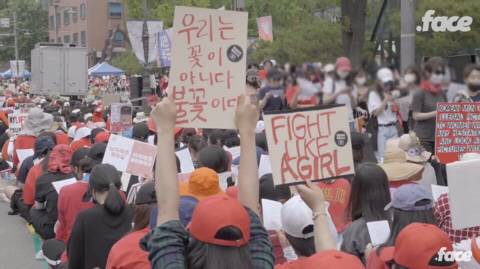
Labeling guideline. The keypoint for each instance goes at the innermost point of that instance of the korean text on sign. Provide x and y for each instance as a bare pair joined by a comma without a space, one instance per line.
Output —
208,66
309,145
457,130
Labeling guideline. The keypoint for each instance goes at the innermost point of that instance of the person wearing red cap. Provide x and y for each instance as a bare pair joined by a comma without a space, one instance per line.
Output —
418,246
223,232
340,89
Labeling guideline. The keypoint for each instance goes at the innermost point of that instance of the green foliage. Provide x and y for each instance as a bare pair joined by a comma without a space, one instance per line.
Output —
31,18
128,62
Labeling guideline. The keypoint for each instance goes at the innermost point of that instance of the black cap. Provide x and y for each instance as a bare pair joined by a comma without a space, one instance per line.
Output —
78,155
97,151
140,131
103,175
146,194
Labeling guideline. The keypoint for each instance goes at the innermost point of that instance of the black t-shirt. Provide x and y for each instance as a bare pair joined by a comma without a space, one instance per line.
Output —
46,193
94,233
276,101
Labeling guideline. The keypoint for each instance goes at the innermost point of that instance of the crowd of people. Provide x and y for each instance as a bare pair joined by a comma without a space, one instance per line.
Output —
106,219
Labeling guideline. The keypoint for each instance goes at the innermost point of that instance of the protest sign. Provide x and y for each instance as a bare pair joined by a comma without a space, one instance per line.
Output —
272,215
457,130
265,29
463,186
23,154
16,121
130,156
379,232
186,163
264,166
438,190
208,66
164,46
58,185
310,144
121,117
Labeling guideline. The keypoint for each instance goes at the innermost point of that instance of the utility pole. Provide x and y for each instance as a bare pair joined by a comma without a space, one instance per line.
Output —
146,89
15,38
407,36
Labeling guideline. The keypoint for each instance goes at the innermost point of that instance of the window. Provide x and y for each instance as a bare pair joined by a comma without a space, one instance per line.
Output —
83,11
83,39
58,21
66,39
74,15
75,39
119,39
66,17
51,25
115,10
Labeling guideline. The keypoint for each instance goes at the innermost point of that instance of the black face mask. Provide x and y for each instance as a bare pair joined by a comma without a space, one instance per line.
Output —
474,87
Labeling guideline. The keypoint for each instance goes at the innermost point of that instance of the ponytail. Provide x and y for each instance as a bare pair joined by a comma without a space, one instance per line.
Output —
114,202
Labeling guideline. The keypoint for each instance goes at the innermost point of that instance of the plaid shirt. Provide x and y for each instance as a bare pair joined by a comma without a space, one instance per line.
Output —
444,220
168,243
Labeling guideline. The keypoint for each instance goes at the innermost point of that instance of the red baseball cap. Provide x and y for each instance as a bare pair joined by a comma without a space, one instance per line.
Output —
343,64
416,245
333,259
215,213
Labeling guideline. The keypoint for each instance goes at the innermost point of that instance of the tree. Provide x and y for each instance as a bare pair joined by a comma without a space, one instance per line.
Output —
32,23
354,13
128,62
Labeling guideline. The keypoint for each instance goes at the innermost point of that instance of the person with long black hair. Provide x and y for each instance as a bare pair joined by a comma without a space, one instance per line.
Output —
97,229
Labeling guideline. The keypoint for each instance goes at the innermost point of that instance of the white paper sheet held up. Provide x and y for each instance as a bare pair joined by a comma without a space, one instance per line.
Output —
186,163
58,185
379,231
272,215
265,166
23,154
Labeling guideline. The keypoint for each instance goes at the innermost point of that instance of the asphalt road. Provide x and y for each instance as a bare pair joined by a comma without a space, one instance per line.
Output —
16,243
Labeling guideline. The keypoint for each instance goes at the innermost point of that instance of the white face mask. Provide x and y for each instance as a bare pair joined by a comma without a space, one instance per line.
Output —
342,74
436,79
361,81
410,78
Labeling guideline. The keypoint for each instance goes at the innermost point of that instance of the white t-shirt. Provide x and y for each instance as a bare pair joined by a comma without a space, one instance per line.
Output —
374,102
342,98
465,246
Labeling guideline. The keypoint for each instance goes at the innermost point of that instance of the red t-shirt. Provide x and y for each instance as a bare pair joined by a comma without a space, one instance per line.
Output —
22,142
127,254
82,143
301,101
337,194
30,182
70,203
62,138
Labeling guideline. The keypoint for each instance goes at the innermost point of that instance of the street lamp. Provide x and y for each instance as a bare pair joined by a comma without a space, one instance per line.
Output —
146,87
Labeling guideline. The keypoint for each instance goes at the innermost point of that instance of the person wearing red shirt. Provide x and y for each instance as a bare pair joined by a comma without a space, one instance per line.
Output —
337,194
30,182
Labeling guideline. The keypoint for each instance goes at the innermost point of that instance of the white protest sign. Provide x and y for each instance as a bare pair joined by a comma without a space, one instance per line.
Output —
235,151
186,163
463,186
309,144
16,121
223,180
125,179
58,185
131,156
208,66
379,232
272,215
264,167
438,190
23,154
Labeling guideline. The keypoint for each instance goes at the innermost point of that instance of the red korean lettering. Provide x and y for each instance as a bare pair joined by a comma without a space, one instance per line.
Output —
181,112
206,77
197,107
187,21
199,92
195,52
211,56
179,92
224,29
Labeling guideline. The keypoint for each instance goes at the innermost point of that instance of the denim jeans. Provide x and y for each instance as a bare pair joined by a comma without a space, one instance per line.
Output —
384,133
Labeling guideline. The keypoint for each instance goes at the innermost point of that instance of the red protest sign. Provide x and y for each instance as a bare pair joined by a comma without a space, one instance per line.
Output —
457,130
121,117
208,66
309,144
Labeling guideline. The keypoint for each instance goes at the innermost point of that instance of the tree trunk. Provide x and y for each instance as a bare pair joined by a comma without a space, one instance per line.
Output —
354,13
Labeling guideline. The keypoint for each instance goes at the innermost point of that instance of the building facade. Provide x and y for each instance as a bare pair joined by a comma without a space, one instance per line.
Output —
94,24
